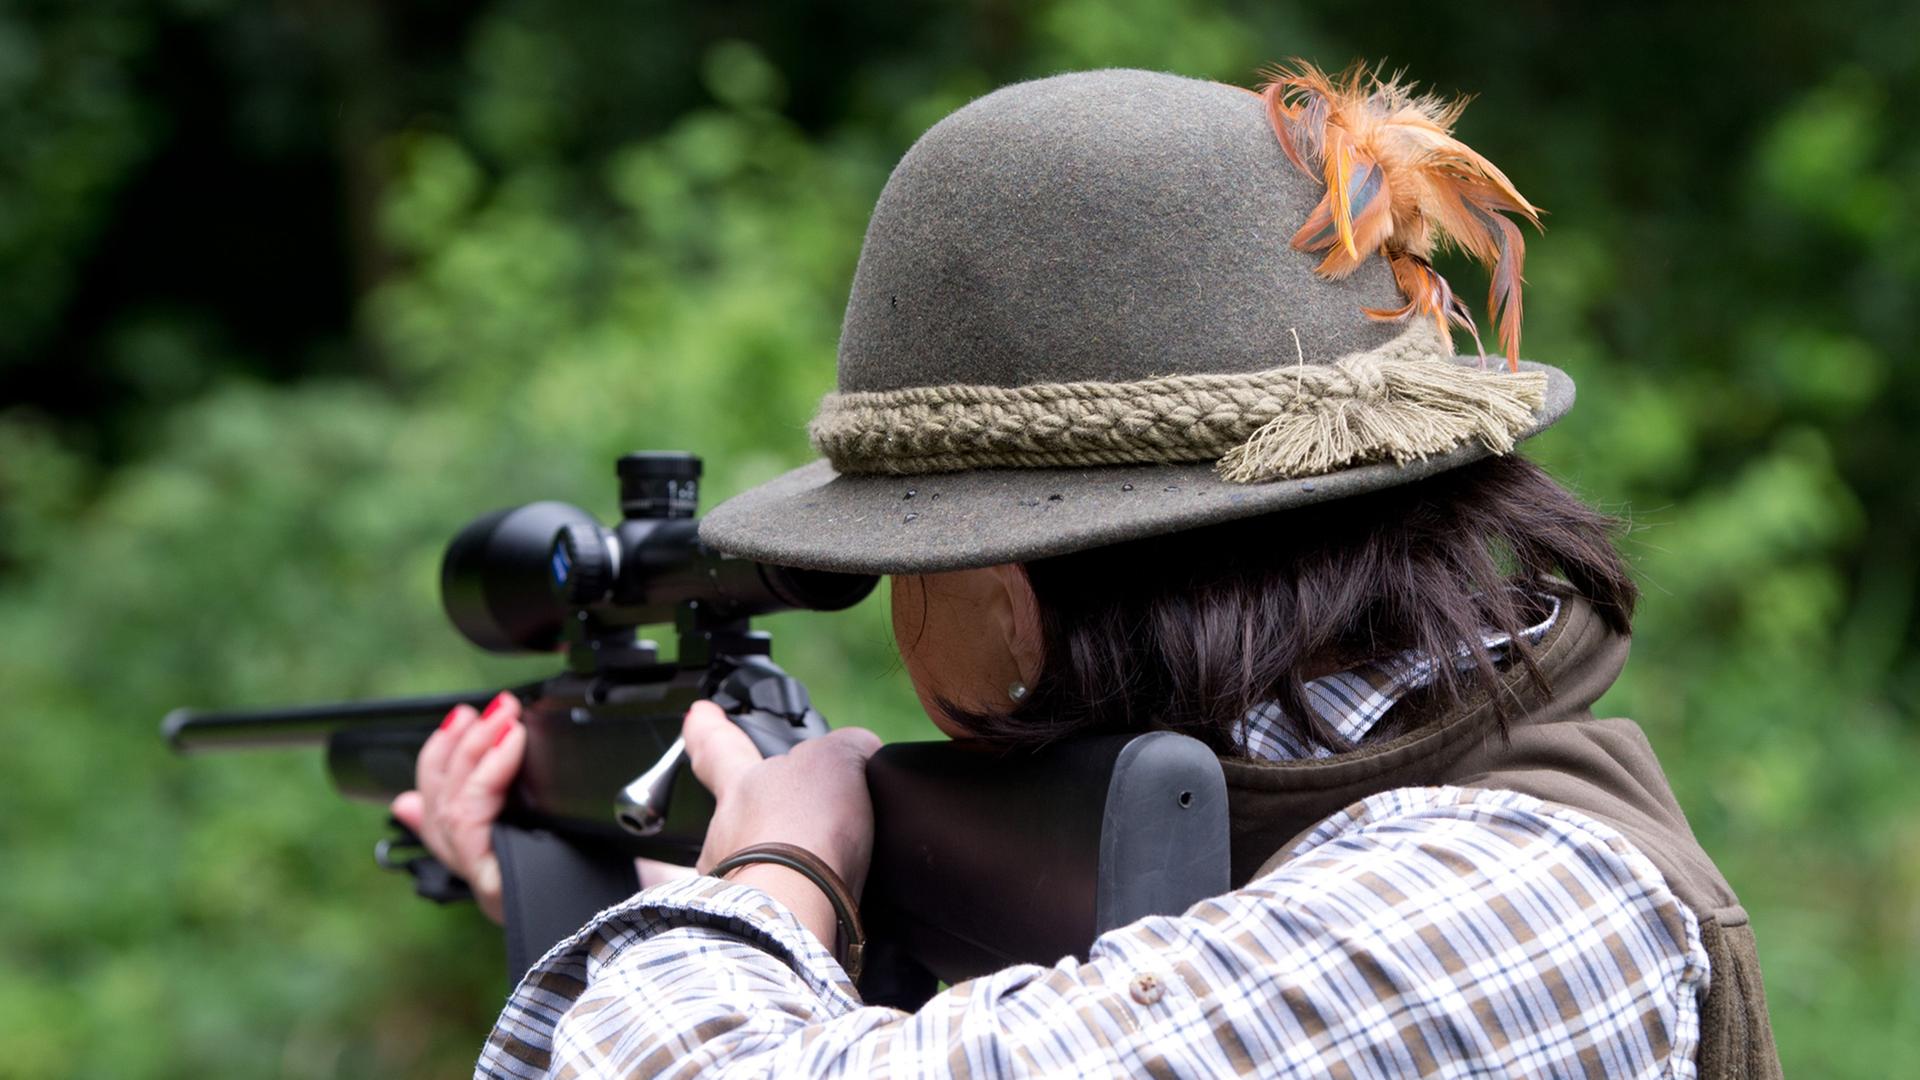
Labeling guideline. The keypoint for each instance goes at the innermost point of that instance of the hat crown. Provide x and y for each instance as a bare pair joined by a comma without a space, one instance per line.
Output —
1103,226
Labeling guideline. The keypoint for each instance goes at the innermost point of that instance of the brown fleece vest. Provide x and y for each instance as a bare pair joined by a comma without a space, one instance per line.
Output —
1558,752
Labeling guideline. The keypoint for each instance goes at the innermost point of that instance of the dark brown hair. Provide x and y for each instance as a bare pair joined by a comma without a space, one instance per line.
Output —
1191,631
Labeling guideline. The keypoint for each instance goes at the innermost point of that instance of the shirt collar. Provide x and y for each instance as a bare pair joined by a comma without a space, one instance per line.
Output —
1353,702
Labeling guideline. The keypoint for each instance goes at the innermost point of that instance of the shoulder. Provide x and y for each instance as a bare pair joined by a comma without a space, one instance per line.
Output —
1490,843
1530,861
1484,926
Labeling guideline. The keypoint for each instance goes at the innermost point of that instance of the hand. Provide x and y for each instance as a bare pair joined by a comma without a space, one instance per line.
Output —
814,796
462,776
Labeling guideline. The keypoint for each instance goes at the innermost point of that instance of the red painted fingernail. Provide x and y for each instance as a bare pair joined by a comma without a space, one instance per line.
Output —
452,714
502,736
493,706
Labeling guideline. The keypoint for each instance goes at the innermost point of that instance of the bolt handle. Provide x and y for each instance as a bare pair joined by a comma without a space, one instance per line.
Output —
771,706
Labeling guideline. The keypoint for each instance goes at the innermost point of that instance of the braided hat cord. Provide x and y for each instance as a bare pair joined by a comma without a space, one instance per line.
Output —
1399,402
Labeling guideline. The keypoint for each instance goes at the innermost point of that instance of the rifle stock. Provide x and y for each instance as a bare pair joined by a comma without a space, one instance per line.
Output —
982,858
986,858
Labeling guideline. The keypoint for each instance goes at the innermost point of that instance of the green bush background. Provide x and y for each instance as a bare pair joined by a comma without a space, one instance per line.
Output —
287,292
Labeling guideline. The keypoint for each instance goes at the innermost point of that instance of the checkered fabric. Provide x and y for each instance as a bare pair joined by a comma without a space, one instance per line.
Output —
1352,702
1422,931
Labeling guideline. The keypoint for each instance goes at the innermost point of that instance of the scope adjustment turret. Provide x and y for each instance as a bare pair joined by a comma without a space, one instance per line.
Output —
658,484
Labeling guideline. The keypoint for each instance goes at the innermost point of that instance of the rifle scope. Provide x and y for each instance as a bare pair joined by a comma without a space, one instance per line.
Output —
515,579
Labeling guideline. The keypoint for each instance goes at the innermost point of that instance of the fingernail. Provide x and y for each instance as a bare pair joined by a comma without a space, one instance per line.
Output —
493,706
452,715
501,736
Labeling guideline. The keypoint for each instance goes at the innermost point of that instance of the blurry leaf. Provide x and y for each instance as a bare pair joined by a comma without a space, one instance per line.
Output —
739,75
435,185
1819,157
1824,372
521,100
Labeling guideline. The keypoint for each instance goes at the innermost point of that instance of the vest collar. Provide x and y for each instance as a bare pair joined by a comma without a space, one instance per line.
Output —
1272,802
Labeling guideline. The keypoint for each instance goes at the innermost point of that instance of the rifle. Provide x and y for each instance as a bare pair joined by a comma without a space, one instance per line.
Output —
983,857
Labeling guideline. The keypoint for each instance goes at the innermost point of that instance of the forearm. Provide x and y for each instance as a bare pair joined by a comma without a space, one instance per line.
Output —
719,978
686,969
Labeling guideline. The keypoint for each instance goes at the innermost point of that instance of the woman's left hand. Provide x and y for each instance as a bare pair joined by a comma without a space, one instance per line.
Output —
814,796
461,779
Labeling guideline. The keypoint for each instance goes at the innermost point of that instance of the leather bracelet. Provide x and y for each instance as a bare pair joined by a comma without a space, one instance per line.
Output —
846,910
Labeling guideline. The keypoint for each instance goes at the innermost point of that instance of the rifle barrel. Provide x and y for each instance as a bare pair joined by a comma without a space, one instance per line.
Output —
189,730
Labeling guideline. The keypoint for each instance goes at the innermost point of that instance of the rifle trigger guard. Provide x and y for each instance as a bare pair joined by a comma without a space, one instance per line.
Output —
431,878
383,854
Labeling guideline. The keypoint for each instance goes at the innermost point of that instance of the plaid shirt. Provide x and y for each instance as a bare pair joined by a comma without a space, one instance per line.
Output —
1420,931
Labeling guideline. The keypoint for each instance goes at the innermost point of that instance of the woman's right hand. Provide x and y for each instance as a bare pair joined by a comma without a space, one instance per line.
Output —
461,780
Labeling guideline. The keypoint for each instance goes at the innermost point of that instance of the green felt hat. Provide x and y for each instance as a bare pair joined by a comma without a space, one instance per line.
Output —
1081,316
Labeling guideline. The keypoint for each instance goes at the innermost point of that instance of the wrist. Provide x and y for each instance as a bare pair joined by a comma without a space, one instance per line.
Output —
792,890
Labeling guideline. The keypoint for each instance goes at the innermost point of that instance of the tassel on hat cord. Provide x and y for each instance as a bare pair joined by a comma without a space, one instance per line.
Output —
1407,410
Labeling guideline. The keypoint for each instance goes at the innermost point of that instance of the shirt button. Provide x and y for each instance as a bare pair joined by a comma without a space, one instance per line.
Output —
1146,989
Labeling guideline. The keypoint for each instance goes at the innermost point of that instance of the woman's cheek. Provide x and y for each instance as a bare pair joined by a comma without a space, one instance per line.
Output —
940,637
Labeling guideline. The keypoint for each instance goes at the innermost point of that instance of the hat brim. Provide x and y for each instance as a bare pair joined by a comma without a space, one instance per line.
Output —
816,518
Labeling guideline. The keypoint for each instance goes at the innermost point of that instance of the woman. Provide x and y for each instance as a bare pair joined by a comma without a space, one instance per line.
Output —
1147,403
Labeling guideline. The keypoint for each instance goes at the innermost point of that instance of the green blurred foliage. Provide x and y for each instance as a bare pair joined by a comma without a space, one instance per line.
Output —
287,293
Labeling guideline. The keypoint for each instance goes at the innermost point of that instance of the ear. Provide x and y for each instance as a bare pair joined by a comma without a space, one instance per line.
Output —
1019,617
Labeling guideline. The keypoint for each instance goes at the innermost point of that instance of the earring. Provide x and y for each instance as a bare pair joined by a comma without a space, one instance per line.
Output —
1017,690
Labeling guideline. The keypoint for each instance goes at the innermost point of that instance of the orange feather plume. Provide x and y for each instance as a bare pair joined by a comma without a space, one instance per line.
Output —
1400,185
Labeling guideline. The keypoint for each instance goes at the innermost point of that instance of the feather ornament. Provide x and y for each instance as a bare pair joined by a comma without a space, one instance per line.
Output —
1401,186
